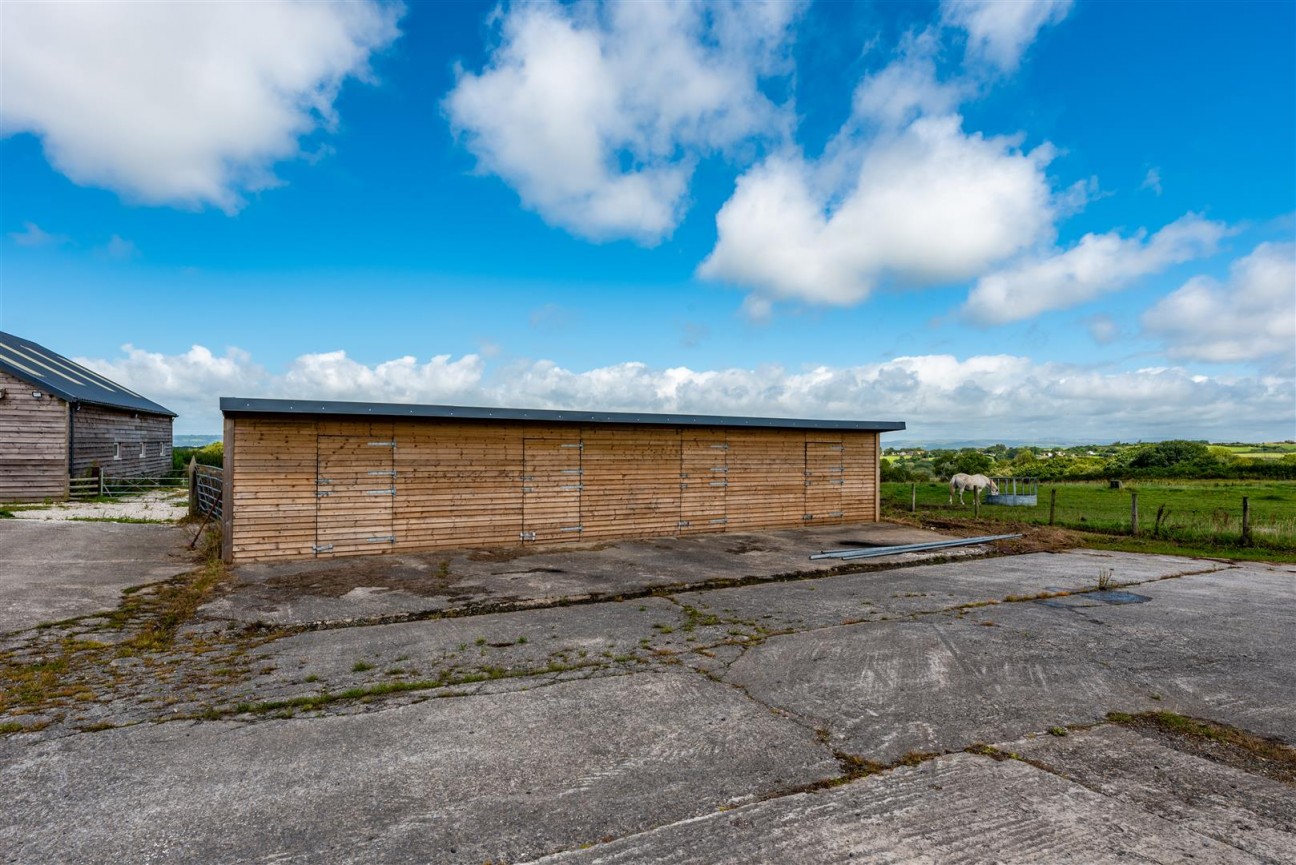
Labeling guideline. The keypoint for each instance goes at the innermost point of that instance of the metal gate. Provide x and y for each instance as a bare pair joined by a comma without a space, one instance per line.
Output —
704,467
551,489
824,476
355,488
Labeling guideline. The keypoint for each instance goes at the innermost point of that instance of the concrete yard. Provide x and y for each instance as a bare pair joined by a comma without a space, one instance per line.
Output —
920,712
56,570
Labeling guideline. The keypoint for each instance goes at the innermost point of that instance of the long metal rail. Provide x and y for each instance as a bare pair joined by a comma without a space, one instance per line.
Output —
873,552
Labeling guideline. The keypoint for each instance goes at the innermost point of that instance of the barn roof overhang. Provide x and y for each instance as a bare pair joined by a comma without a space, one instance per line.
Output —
71,382
236,406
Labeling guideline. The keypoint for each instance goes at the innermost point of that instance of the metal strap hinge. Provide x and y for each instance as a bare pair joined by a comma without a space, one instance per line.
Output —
390,492
719,484
836,514
682,523
527,536
319,494
323,480
382,444
321,548
721,447
571,471
808,517
573,529
720,520
576,445
387,473
720,468
572,487
383,539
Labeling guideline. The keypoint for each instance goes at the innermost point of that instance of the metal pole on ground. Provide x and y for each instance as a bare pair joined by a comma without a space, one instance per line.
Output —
1134,526
193,486
1052,504
1246,521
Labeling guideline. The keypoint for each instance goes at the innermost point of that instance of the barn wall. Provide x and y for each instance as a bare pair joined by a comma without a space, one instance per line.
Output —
353,487
33,443
111,439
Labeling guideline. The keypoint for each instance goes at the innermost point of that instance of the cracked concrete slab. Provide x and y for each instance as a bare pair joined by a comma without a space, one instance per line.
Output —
960,808
1235,807
941,683
50,571
373,587
468,780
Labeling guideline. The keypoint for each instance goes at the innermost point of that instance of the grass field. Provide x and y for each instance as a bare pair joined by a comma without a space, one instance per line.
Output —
1204,516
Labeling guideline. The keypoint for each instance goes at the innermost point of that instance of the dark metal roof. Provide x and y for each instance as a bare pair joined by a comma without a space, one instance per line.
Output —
55,374
239,405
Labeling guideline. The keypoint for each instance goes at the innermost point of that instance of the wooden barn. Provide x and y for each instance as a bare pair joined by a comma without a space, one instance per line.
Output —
322,479
60,420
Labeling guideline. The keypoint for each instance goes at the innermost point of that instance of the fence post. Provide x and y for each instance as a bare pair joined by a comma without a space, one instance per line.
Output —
913,498
1052,504
192,469
1134,526
1246,521
976,504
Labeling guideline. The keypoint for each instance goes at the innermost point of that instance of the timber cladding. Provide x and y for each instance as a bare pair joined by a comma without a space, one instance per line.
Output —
305,487
33,443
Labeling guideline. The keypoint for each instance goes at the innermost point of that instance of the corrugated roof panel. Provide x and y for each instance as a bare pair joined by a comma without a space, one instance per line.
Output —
240,405
54,373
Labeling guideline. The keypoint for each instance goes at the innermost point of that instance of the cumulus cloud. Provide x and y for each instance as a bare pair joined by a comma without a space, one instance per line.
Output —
596,114
181,103
999,31
1251,316
903,195
1098,264
929,204
939,396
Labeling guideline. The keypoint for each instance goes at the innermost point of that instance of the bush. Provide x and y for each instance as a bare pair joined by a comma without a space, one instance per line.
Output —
207,455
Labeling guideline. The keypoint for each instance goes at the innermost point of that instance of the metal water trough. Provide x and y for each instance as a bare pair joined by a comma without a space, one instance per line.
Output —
1025,492
874,552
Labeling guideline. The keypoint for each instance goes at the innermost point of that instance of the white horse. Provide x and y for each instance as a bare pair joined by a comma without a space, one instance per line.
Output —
976,483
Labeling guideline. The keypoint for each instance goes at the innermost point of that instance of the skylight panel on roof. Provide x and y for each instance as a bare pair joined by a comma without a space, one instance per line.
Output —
45,363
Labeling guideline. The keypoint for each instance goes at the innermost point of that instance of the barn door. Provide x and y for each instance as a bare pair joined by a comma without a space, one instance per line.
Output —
355,488
823,482
704,466
551,489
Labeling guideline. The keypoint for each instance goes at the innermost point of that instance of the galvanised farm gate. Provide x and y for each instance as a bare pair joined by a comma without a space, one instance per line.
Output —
319,479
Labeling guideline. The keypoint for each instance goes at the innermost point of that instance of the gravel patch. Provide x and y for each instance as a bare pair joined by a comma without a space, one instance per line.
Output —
161,505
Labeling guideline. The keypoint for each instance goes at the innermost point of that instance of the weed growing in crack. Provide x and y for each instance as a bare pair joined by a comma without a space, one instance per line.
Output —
1104,579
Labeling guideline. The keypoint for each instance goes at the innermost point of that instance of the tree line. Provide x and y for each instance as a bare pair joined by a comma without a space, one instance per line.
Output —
1177,458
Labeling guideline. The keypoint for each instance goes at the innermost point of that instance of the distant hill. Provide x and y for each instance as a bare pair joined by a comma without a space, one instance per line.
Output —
193,441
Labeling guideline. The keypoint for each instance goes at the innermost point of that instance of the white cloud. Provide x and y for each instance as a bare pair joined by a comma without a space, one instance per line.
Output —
181,103
930,204
596,114
1098,264
990,397
999,31
33,235
1152,180
1252,316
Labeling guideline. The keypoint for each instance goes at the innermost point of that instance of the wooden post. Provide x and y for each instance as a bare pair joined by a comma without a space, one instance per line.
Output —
913,498
976,504
1134,526
1246,521
193,486
1052,504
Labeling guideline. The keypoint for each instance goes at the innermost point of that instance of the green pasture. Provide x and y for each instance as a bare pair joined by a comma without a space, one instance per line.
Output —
1201,515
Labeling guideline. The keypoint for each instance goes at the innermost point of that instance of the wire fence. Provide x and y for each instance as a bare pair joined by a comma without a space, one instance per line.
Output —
1259,514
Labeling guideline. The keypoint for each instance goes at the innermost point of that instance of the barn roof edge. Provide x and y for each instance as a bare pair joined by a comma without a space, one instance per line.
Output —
244,405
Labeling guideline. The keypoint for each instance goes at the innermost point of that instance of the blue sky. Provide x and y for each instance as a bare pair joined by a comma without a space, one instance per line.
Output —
994,220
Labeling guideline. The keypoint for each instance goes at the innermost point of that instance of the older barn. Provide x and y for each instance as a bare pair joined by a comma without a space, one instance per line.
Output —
60,420
321,479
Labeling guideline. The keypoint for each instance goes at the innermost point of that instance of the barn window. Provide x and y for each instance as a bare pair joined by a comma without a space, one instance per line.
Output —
116,450
142,446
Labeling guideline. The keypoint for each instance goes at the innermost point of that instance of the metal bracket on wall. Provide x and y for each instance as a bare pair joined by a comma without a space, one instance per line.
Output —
383,539
382,444
718,484
527,536
573,529
390,492
386,473
322,548
319,494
